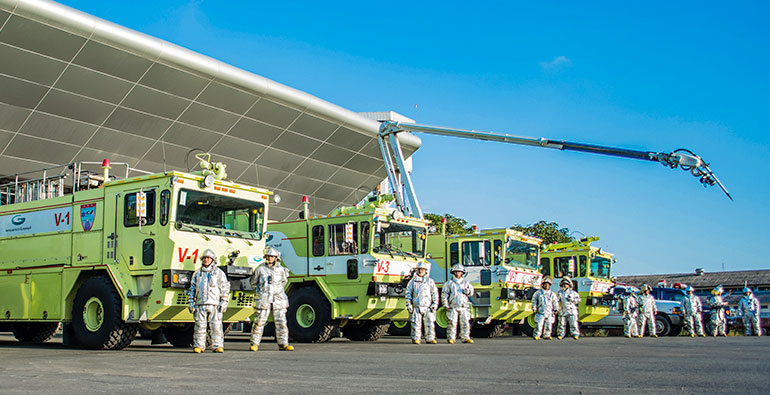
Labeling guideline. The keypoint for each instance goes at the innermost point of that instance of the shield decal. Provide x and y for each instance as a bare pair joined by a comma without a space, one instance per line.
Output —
87,215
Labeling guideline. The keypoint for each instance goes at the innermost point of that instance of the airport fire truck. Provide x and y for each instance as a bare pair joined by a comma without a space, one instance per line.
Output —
502,266
349,270
589,268
106,256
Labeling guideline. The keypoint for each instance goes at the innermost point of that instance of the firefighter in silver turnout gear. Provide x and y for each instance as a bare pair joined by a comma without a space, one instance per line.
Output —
647,311
629,307
544,304
692,309
208,295
454,297
749,307
718,305
568,309
422,303
269,280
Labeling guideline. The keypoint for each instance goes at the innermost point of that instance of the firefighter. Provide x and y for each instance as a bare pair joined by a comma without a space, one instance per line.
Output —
647,311
269,280
749,307
629,307
454,296
717,304
692,309
208,295
544,304
568,309
422,303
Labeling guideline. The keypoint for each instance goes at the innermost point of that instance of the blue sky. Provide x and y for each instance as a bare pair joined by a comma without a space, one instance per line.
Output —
652,75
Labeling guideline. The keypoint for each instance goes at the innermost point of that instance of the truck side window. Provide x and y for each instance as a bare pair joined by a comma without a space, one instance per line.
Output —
165,205
365,226
454,254
498,252
546,264
129,207
318,240
583,267
477,253
561,266
342,239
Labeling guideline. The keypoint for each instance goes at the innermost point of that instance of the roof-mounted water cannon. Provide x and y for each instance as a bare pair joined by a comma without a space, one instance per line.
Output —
214,169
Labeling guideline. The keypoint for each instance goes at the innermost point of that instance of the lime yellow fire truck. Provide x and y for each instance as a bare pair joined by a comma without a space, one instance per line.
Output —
502,266
106,256
589,268
349,270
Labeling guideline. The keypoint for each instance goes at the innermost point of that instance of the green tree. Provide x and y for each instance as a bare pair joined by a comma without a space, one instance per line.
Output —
454,225
550,232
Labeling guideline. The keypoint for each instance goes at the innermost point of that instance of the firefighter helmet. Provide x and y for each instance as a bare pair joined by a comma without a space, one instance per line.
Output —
746,290
690,288
272,252
547,280
457,268
718,290
422,265
565,281
209,253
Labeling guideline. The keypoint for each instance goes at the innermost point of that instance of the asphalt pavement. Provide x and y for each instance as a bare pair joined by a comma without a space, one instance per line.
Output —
394,365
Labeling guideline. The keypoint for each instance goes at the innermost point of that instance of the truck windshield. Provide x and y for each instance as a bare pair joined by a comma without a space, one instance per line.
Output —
217,214
399,239
519,253
600,267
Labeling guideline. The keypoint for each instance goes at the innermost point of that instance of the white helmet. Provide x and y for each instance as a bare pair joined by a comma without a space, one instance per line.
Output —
209,253
547,280
272,251
457,268
422,265
565,281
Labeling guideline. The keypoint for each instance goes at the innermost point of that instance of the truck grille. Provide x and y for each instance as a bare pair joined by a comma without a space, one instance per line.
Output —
181,299
244,301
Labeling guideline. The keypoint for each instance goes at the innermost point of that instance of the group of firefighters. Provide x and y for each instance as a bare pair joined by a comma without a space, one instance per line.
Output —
209,294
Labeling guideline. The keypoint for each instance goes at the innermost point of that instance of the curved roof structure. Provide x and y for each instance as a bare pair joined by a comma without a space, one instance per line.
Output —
74,87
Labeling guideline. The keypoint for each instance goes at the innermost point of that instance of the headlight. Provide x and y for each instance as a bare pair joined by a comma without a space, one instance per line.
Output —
176,278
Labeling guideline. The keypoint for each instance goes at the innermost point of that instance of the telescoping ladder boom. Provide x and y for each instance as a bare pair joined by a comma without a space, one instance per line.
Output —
406,197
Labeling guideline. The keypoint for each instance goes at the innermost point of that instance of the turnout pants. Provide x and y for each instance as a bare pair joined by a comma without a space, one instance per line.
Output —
718,324
649,319
750,322
281,328
694,324
423,317
572,319
464,315
543,325
207,315
631,328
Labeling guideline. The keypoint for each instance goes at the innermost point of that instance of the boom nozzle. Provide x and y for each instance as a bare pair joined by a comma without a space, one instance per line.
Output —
688,161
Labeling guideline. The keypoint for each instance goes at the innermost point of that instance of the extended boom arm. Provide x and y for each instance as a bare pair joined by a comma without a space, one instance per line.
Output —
398,177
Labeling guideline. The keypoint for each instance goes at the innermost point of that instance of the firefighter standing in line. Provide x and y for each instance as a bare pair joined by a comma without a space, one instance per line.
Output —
749,307
718,305
454,296
692,309
544,304
208,295
568,309
629,307
269,280
647,311
422,303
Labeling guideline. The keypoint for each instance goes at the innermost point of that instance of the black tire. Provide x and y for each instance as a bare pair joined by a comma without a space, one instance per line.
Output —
493,329
34,332
365,331
111,332
441,323
179,335
318,330
527,327
400,328
662,326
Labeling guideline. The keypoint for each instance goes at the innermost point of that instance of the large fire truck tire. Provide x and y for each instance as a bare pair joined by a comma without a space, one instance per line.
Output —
96,317
34,332
366,331
400,328
527,327
309,316
179,335
493,329
441,323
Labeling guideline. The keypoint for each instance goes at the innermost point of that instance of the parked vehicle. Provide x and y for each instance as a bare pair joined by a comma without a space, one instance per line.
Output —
668,322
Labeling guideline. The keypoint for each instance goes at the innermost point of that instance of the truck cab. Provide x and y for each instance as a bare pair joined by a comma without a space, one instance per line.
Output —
349,270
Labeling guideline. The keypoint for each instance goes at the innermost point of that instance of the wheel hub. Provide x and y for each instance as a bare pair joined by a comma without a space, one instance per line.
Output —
93,314
305,316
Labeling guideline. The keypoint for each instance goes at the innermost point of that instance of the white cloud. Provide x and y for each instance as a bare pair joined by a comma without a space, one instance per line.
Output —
557,62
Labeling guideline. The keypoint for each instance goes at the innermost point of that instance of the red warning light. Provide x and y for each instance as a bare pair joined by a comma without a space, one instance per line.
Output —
305,199
106,163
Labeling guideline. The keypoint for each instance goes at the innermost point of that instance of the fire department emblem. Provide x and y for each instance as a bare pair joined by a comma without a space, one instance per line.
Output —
87,215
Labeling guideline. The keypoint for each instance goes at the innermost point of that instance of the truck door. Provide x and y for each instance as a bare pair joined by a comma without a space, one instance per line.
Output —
343,261
136,247
476,257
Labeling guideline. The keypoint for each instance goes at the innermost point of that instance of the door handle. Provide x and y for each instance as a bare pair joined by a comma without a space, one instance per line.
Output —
318,268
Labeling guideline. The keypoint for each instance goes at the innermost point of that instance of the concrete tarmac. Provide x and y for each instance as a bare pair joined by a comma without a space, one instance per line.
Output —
394,365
